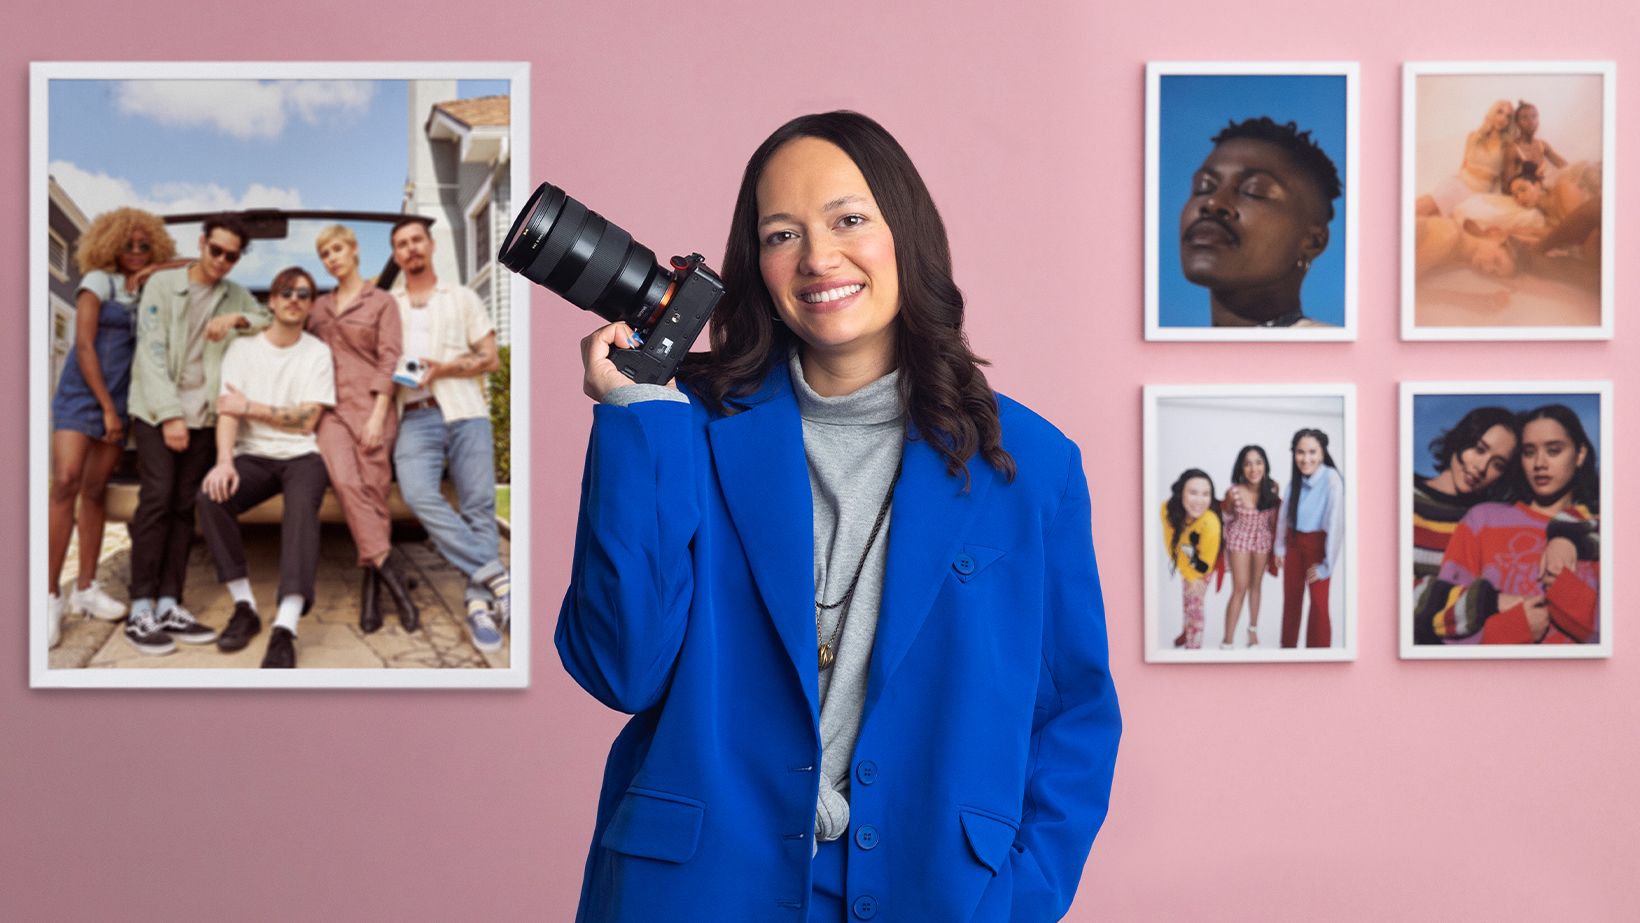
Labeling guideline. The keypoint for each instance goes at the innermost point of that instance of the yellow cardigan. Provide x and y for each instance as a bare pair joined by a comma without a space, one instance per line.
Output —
1211,533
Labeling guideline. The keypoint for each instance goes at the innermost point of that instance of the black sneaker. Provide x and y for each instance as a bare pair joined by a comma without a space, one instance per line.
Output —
180,624
281,649
142,630
242,627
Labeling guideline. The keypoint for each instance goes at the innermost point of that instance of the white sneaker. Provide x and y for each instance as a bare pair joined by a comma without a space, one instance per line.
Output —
93,601
54,620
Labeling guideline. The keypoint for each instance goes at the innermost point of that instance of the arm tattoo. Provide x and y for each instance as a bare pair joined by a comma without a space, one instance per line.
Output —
297,417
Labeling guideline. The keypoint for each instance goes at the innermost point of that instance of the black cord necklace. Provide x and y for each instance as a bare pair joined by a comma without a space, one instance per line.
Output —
828,646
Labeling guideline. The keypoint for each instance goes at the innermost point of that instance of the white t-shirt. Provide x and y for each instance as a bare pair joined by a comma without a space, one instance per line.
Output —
278,377
108,285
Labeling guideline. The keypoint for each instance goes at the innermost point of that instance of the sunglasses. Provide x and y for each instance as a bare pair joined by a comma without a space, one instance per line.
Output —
300,294
138,246
223,253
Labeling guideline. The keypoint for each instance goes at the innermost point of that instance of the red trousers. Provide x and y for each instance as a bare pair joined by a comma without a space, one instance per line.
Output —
1304,550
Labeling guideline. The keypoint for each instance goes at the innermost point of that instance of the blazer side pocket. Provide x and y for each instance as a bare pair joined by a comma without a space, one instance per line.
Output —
989,836
655,825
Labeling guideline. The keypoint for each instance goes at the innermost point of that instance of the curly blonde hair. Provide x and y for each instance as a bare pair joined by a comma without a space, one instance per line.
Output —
101,244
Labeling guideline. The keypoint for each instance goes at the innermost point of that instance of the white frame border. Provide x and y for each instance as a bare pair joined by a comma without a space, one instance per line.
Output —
1411,651
1410,72
1351,72
1155,650
517,674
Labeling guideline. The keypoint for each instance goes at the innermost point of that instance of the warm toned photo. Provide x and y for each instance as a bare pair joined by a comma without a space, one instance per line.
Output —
1506,210
271,392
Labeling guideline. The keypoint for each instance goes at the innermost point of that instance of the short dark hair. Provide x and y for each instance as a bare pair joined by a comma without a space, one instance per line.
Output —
1300,145
232,225
405,222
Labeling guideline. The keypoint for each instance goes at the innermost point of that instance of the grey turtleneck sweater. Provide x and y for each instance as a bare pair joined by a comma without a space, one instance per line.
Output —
853,444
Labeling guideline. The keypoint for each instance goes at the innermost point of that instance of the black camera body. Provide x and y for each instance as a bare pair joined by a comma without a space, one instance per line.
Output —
560,244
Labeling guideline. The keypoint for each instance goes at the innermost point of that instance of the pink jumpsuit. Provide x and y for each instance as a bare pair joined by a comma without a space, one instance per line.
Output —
365,341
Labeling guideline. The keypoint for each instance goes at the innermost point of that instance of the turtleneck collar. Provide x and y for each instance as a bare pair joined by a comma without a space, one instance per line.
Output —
878,402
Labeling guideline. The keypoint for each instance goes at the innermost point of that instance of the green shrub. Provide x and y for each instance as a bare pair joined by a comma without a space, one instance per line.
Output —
501,415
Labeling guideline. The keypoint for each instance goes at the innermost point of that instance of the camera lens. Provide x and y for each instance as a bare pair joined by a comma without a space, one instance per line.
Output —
558,243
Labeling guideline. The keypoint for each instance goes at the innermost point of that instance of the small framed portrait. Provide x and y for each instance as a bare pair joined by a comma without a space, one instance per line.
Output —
1250,201
1505,520
1507,200
1249,523
231,264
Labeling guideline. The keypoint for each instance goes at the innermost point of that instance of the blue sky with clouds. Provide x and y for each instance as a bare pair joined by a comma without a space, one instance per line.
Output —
180,146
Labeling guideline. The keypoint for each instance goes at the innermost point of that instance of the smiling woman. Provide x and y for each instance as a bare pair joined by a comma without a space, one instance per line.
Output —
838,452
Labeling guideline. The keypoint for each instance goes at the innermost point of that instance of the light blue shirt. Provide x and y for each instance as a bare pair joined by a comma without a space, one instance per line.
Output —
1320,509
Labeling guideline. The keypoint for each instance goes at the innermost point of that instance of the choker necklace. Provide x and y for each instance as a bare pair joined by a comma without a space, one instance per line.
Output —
828,646
1285,320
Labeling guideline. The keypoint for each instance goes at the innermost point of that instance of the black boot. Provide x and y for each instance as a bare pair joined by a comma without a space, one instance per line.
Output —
398,588
370,614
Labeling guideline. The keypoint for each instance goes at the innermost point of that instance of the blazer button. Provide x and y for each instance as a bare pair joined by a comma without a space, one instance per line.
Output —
866,772
964,564
865,906
866,837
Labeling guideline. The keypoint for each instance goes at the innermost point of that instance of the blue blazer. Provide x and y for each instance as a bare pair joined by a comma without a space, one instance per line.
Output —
983,765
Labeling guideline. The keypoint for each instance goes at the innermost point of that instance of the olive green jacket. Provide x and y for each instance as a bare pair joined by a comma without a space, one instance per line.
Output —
162,333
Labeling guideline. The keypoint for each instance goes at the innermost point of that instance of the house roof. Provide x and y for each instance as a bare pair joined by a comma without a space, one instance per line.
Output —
478,112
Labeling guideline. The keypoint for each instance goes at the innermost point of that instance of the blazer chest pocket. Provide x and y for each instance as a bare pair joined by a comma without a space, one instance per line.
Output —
655,825
989,836
972,559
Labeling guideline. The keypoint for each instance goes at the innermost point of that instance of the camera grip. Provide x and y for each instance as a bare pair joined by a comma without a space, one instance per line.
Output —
643,368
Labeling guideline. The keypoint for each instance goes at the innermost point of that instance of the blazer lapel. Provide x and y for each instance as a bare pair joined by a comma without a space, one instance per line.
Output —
763,474
925,532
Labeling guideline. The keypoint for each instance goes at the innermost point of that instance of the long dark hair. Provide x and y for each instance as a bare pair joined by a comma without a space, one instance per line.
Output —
1466,433
1294,486
1176,515
947,399
1267,496
1585,487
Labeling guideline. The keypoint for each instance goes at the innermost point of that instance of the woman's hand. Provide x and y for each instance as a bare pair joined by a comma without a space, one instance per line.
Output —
113,428
1560,554
1275,566
1537,615
220,327
1312,574
221,481
602,376
371,438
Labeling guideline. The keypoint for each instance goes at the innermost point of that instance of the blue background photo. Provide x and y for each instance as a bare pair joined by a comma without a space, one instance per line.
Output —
1193,109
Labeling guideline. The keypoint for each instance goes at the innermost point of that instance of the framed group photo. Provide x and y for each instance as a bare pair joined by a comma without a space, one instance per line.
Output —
1508,200
1249,523
1251,201
1506,520
194,223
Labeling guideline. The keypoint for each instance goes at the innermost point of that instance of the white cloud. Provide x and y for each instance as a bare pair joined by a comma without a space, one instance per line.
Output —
97,192
243,109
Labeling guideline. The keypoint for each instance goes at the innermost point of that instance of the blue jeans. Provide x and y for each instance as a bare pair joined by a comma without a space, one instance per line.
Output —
467,538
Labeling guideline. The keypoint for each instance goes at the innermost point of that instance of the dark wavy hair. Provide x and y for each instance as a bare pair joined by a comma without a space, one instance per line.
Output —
1176,514
1585,487
1267,496
1297,482
1300,145
947,399
1467,432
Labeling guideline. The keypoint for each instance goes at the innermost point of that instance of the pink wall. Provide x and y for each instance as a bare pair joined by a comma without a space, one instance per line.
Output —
1365,791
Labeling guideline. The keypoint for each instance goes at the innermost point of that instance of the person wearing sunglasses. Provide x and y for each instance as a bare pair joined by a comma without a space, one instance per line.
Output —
275,388
184,324
89,424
